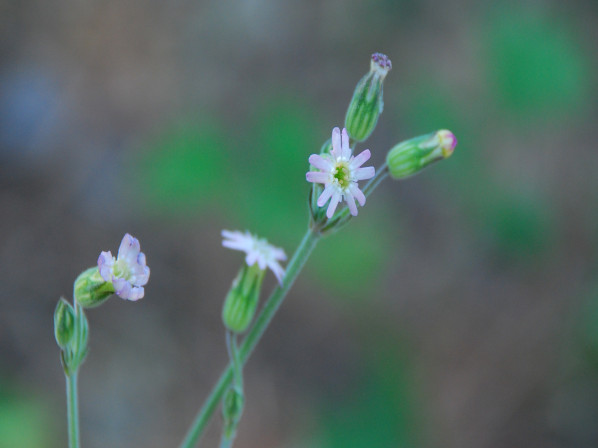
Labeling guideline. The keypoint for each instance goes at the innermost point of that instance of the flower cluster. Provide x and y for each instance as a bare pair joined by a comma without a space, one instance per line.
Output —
340,171
128,273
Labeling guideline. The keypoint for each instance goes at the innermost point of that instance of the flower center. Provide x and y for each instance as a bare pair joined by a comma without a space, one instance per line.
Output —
342,175
121,270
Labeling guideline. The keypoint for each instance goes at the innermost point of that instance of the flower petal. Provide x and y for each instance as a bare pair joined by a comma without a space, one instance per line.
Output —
360,159
121,287
336,143
318,177
320,162
350,200
364,173
346,152
357,193
136,293
236,240
105,263
129,249
326,194
336,197
277,270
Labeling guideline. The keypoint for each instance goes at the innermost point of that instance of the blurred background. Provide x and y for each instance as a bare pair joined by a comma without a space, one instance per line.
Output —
460,308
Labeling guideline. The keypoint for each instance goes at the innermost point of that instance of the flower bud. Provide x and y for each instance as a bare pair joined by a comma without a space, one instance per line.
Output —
91,290
367,103
411,156
241,302
64,323
232,409
232,404
75,349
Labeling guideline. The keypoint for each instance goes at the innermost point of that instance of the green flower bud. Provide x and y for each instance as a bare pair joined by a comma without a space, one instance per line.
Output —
74,352
367,102
91,289
241,302
232,405
411,156
64,323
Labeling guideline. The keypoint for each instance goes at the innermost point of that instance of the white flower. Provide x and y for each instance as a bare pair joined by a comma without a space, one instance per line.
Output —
257,250
128,273
339,172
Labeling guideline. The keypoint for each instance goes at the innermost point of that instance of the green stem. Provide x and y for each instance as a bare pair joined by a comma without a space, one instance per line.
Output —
251,340
233,352
72,409
226,443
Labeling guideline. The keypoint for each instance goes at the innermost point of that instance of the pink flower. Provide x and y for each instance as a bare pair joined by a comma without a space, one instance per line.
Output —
339,171
128,273
258,251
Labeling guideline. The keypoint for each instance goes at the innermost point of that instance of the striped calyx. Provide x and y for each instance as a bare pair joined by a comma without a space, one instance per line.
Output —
241,302
411,156
367,103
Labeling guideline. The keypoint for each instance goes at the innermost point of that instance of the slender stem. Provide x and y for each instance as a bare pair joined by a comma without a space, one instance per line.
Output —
72,409
251,340
226,442
229,431
233,353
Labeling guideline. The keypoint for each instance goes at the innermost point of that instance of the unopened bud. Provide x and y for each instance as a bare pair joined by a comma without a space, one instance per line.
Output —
64,323
91,289
232,409
232,404
241,302
71,330
367,102
411,156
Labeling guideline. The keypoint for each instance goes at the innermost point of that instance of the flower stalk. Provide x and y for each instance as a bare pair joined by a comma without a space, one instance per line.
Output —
255,334
72,409
298,260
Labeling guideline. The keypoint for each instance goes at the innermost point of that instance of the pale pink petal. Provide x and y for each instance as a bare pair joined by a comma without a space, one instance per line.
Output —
326,194
318,177
364,173
336,143
122,287
236,245
129,249
346,152
320,162
105,263
350,200
136,293
357,193
236,240
336,197
277,270
141,278
360,159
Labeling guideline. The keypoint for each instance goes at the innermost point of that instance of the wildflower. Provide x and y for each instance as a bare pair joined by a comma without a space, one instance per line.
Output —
127,273
257,250
340,172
